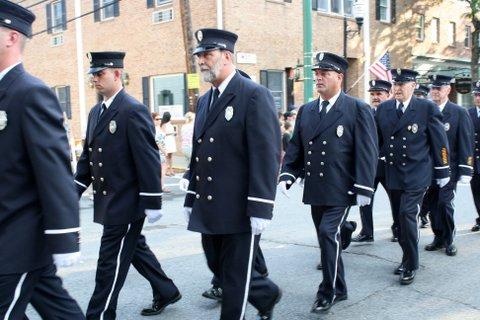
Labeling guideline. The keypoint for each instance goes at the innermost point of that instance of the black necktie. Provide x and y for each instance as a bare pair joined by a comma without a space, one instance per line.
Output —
102,112
323,110
215,95
400,110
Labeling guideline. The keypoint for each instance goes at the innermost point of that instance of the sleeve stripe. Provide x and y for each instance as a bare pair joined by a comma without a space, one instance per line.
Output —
261,200
363,187
148,194
80,184
465,166
62,231
191,192
441,168
287,174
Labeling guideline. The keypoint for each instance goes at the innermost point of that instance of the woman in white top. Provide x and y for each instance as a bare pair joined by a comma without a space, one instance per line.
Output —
170,144
160,140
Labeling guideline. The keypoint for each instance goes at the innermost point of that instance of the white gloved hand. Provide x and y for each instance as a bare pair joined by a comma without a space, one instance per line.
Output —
62,260
187,212
258,225
465,179
363,200
282,185
153,215
443,182
183,184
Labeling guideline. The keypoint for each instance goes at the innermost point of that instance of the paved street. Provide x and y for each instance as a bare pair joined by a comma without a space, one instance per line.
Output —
445,287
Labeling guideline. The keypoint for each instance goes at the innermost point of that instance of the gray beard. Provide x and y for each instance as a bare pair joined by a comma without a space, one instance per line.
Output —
213,73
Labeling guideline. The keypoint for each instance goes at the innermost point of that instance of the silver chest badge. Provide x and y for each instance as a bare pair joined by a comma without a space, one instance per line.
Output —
112,127
3,120
340,131
447,126
229,113
414,128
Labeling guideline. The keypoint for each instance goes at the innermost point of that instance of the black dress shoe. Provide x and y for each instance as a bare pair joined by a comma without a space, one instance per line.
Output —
399,269
214,293
322,305
476,227
319,266
394,239
434,246
159,305
423,222
451,250
407,277
268,315
362,238
346,233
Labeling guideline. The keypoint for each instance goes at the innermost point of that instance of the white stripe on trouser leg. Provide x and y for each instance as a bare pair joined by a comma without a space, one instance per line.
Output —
16,295
453,218
416,221
249,272
117,269
338,253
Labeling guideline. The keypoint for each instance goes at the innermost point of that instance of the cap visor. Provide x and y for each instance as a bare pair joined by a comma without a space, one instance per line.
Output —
204,49
95,70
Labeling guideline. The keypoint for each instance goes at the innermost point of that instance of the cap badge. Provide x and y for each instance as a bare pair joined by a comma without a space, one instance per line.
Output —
399,71
7,21
417,86
434,77
112,127
373,83
229,113
199,35
321,56
89,56
339,131
478,84
3,120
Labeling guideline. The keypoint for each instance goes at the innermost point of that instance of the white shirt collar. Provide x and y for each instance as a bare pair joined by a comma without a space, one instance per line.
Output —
110,100
442,106
478,111
331,101
225,82
405,104
5,71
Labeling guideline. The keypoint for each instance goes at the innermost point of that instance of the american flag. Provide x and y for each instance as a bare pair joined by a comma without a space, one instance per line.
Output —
381,68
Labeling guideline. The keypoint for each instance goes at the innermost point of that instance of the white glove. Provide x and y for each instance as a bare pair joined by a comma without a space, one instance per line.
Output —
363,200
258,225
282,185
465,179
443,182
183,184
66,259
187,212
153,215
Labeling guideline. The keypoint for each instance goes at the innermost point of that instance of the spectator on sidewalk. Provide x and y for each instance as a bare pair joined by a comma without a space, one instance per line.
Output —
160,140
187,134
170,145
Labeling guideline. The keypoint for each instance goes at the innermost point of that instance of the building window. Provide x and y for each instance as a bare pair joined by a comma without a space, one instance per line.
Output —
468,37
63,95
168,94
340,7
159,3
436,30
452,33
163,16
107,12
421,27
56,16
273,80
384,8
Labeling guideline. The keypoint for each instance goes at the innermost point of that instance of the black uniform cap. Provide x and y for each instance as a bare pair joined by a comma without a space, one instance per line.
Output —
16,17
421,89
439,80
215,39
330,61
379,85
104,60
403,75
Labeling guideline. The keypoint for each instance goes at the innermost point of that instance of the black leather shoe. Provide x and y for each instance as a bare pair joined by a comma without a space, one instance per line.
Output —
423,222
434,246
214,293
159,305
319,266
451,250
407,277
346,233
399,269
362,238
322,305
476,227
394,239
268,315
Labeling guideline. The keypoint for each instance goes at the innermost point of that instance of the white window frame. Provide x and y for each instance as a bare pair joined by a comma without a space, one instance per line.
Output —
57,38
452,34
154,14
435,30
161,3
388,12
103,10
421,27
468,37
56,28
329,8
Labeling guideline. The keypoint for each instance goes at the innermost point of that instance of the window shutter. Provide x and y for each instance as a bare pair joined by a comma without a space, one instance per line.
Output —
377,10
49,17
315,5
146,91
96,14
68,102
150,3
393,12
116,8
64,15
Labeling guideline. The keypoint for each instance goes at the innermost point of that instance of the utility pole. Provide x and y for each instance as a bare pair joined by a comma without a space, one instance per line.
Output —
307,51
